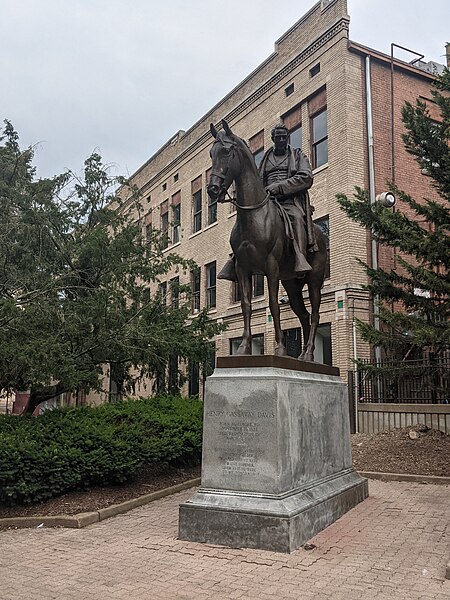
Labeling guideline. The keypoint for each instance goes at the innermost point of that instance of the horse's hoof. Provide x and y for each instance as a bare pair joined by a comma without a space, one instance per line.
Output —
243,352
306,357
280,351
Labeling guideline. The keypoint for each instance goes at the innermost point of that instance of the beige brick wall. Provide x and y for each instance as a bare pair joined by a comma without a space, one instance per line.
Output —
320,36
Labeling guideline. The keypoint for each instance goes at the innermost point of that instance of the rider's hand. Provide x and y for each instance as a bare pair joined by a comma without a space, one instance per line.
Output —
273,189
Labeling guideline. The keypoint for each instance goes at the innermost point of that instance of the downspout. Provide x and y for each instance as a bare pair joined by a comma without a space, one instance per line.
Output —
372,197
356,374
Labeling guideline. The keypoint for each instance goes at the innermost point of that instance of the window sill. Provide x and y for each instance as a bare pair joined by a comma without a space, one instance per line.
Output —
195,234
210,226
320,169
170,248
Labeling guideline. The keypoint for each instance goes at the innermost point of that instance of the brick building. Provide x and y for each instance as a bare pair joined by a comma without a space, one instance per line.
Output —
338,99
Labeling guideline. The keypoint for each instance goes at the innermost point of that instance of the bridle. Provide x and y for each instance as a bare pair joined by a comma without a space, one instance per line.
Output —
227,179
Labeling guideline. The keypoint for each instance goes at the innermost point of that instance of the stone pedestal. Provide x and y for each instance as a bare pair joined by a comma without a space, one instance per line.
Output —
277,465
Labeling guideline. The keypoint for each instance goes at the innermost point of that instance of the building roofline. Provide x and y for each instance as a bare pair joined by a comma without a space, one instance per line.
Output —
223,100
382,57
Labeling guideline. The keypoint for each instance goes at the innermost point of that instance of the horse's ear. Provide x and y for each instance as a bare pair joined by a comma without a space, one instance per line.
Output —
213,130
226,127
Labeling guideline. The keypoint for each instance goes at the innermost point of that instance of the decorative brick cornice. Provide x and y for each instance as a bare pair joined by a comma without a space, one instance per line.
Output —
341,25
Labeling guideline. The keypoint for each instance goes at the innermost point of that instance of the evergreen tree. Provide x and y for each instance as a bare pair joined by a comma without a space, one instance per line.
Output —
74,284
414,298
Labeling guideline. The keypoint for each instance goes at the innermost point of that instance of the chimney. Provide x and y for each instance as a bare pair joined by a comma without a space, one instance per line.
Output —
447,54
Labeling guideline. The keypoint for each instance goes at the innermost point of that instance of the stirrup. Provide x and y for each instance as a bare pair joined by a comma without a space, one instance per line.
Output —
228,271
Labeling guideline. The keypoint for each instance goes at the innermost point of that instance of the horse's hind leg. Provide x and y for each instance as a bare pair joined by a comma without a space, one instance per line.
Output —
314,298
273,283
294,289
245,285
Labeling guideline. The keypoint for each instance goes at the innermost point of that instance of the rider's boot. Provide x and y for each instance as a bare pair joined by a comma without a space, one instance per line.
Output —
228,271
301,265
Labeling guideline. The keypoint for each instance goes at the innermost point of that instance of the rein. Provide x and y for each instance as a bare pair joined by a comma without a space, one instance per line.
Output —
230,199
254,207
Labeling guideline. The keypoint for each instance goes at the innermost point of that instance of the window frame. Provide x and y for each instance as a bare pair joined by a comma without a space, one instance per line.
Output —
315,143
174,285
211,286
212,203
257,337
195,290
164,220
235,295
197,204
176,225
326,232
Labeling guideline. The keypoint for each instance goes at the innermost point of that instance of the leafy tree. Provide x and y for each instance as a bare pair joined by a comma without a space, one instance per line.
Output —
74,284
414,300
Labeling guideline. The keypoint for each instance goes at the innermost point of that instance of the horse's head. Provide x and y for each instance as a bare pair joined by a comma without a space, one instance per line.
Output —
225,162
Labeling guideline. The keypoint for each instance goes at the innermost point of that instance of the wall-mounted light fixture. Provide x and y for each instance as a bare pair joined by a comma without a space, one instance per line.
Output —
386,199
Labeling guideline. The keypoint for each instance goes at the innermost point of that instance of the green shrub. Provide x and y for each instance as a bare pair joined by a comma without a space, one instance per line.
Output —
75,448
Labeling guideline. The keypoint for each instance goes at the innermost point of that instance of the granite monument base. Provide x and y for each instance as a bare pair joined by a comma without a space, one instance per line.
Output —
277,465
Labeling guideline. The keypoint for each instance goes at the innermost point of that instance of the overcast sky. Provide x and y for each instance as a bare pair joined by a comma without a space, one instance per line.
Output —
123,76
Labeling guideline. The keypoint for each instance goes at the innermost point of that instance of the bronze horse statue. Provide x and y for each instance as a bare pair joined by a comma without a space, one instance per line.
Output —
260,244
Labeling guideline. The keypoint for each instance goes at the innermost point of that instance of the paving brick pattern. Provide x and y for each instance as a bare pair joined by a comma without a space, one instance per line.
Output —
392,546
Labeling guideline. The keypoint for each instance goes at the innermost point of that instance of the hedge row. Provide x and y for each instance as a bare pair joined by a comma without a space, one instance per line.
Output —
75,448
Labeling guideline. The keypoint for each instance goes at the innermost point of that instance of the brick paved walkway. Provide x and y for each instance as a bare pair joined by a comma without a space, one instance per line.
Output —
392,546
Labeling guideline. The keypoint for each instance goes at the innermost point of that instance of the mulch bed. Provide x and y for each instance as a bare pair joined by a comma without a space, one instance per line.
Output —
387,452
395,452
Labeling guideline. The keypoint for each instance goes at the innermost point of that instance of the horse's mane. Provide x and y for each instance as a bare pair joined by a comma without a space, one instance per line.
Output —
234,139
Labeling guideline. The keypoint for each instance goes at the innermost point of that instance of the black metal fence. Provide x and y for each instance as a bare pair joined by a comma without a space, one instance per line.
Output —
423,381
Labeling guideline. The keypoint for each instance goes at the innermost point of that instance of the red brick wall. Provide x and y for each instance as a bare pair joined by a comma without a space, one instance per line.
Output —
408,176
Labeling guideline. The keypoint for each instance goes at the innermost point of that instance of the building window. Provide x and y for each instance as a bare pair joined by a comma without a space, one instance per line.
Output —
211,285
293,341
164,187
176,215
175,178
323,351
194,379
293,121
256,145
195,290
196,204
315,70
212,204
148,238
324,224
165,224
295,137
257,288
257,344
317,108
175,292
319,139
172,369
176,218
162,292
289,90
258,285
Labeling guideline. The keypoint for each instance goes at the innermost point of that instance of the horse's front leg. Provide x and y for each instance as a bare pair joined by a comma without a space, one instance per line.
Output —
245,287
273,284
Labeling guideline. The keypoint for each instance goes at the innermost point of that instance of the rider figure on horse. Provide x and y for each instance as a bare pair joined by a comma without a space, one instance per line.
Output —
287,175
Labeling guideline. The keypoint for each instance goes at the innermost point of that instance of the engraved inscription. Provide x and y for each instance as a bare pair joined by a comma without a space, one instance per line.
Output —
244,464
241,438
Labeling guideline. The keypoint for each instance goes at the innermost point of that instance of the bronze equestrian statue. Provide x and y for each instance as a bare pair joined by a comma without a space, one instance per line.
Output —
274,234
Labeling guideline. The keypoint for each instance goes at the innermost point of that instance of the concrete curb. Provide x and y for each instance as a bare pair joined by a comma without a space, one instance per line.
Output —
404,477
83,519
